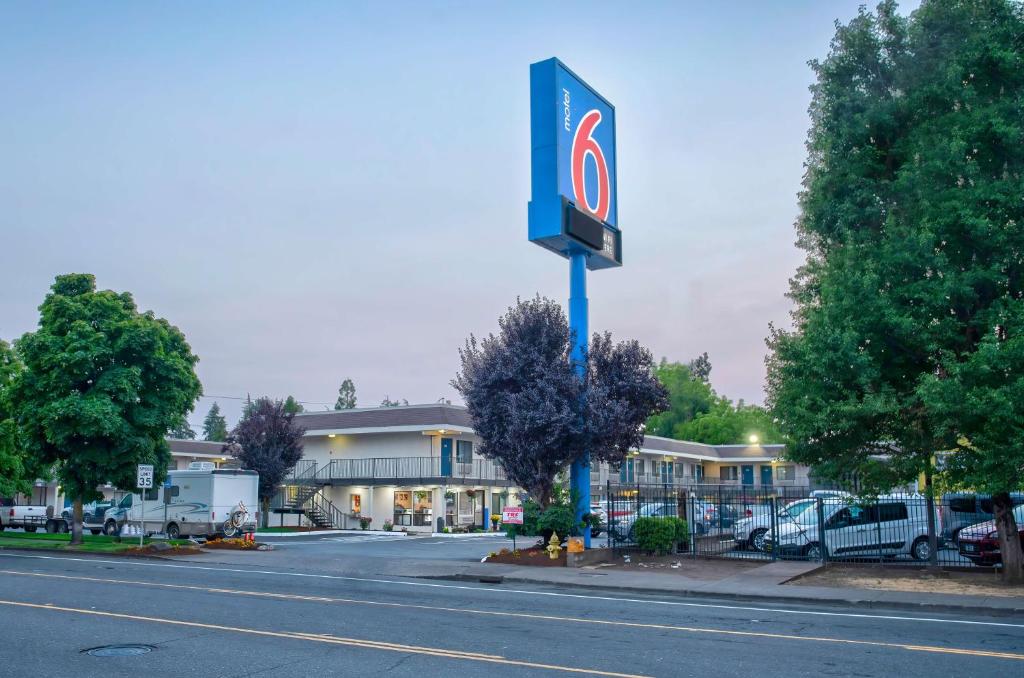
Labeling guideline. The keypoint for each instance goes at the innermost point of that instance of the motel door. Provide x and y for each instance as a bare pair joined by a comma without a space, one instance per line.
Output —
748,475
766,476
446,457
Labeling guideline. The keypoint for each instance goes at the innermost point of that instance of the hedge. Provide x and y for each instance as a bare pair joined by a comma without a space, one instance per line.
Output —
659,535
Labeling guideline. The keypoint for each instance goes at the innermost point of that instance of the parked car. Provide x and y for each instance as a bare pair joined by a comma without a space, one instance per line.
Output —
598,510
92,513
980,543
623,525
708,517
891,527
963,509
750,532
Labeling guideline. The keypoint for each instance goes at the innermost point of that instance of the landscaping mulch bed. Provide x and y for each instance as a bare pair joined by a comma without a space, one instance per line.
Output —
535,556
161,550
236,545
914,579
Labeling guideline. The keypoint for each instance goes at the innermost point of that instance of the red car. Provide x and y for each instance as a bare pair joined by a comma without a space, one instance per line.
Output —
980,543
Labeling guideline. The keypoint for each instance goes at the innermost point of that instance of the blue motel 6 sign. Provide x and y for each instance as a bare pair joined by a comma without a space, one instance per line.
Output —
573,205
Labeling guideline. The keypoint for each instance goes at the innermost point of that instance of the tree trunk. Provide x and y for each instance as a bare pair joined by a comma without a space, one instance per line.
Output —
1009,539
76,522
265,513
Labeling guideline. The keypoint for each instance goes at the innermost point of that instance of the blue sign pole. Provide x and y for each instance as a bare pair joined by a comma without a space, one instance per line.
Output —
579,476
573,207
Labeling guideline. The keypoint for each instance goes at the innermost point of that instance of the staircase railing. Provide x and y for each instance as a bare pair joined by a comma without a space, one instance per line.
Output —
337,517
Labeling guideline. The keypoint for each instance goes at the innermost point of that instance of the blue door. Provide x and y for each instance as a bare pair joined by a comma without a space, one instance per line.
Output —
748,475
670,470
766,475
446,457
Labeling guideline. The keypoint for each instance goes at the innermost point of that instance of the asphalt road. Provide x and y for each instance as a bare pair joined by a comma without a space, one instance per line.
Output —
231,620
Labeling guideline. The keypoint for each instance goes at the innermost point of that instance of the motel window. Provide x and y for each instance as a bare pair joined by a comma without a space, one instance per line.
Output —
403,508
422,508
464,451
680,469
640,467
729,473
698,472
785,473
657,468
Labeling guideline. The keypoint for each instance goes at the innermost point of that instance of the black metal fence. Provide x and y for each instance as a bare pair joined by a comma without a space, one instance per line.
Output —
798,523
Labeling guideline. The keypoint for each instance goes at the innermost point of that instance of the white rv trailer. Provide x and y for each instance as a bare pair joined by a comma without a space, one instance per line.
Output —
204,501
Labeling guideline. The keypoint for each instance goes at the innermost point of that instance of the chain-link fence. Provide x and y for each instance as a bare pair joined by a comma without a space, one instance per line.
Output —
954,530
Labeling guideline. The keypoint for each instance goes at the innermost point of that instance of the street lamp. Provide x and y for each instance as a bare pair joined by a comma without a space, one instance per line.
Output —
753,439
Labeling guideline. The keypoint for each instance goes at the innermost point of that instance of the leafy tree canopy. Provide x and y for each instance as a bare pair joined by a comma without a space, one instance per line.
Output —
102,385
292,406
388,402
16,472
346,395
531,410
909,307
182,431
698,414
215,425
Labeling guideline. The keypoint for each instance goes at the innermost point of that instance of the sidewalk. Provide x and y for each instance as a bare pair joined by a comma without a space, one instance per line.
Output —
763,585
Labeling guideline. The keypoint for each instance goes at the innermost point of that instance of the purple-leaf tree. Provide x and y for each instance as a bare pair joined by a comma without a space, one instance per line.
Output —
268,441
622,392
531,411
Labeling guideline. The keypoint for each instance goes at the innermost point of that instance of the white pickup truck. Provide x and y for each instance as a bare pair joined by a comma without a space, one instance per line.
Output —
27,516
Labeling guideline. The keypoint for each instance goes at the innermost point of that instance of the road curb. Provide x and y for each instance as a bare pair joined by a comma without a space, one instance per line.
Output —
742,597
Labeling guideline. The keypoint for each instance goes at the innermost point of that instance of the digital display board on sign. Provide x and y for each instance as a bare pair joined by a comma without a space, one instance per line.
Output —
573,203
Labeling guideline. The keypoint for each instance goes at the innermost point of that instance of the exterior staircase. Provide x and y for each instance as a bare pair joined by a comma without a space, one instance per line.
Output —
304,494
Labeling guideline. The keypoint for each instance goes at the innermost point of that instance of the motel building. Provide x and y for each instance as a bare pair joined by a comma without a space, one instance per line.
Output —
419,468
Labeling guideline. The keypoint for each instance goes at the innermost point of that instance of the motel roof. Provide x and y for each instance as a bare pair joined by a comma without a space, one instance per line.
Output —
440,417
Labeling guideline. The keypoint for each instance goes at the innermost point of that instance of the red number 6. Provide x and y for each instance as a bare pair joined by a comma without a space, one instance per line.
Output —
583,143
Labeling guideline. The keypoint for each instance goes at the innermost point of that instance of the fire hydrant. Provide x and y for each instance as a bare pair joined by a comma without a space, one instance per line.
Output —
554,546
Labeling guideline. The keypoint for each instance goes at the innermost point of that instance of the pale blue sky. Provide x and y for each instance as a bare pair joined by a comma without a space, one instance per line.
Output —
318,190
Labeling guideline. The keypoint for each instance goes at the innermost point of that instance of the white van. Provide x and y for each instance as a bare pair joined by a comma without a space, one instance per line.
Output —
892,526
202,501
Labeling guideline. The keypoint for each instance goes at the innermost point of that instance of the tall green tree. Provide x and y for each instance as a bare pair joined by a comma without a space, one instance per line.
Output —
346,395
182,431
16,470
292,406
215,425
102,384
908,308
689,395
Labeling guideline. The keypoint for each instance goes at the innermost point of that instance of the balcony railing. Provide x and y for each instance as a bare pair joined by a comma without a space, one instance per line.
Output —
408,469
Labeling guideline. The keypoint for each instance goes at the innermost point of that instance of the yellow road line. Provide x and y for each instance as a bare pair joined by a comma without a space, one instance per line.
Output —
333,640
532,616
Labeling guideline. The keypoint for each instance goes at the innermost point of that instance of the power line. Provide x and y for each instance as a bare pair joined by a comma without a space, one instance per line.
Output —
225,397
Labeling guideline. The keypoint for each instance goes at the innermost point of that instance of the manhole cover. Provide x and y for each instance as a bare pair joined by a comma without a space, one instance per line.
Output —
119,650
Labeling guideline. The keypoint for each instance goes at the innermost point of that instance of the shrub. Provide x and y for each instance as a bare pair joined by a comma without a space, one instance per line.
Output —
364,523
559,519
388,526
659,535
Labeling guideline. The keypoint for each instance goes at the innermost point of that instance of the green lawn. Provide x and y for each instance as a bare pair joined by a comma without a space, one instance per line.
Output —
62,542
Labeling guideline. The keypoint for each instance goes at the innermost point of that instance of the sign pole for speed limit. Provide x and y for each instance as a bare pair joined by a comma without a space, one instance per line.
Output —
143,481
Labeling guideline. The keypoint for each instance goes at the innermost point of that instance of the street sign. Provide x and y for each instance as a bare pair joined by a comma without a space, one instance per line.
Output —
144,478
512,515
574,201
